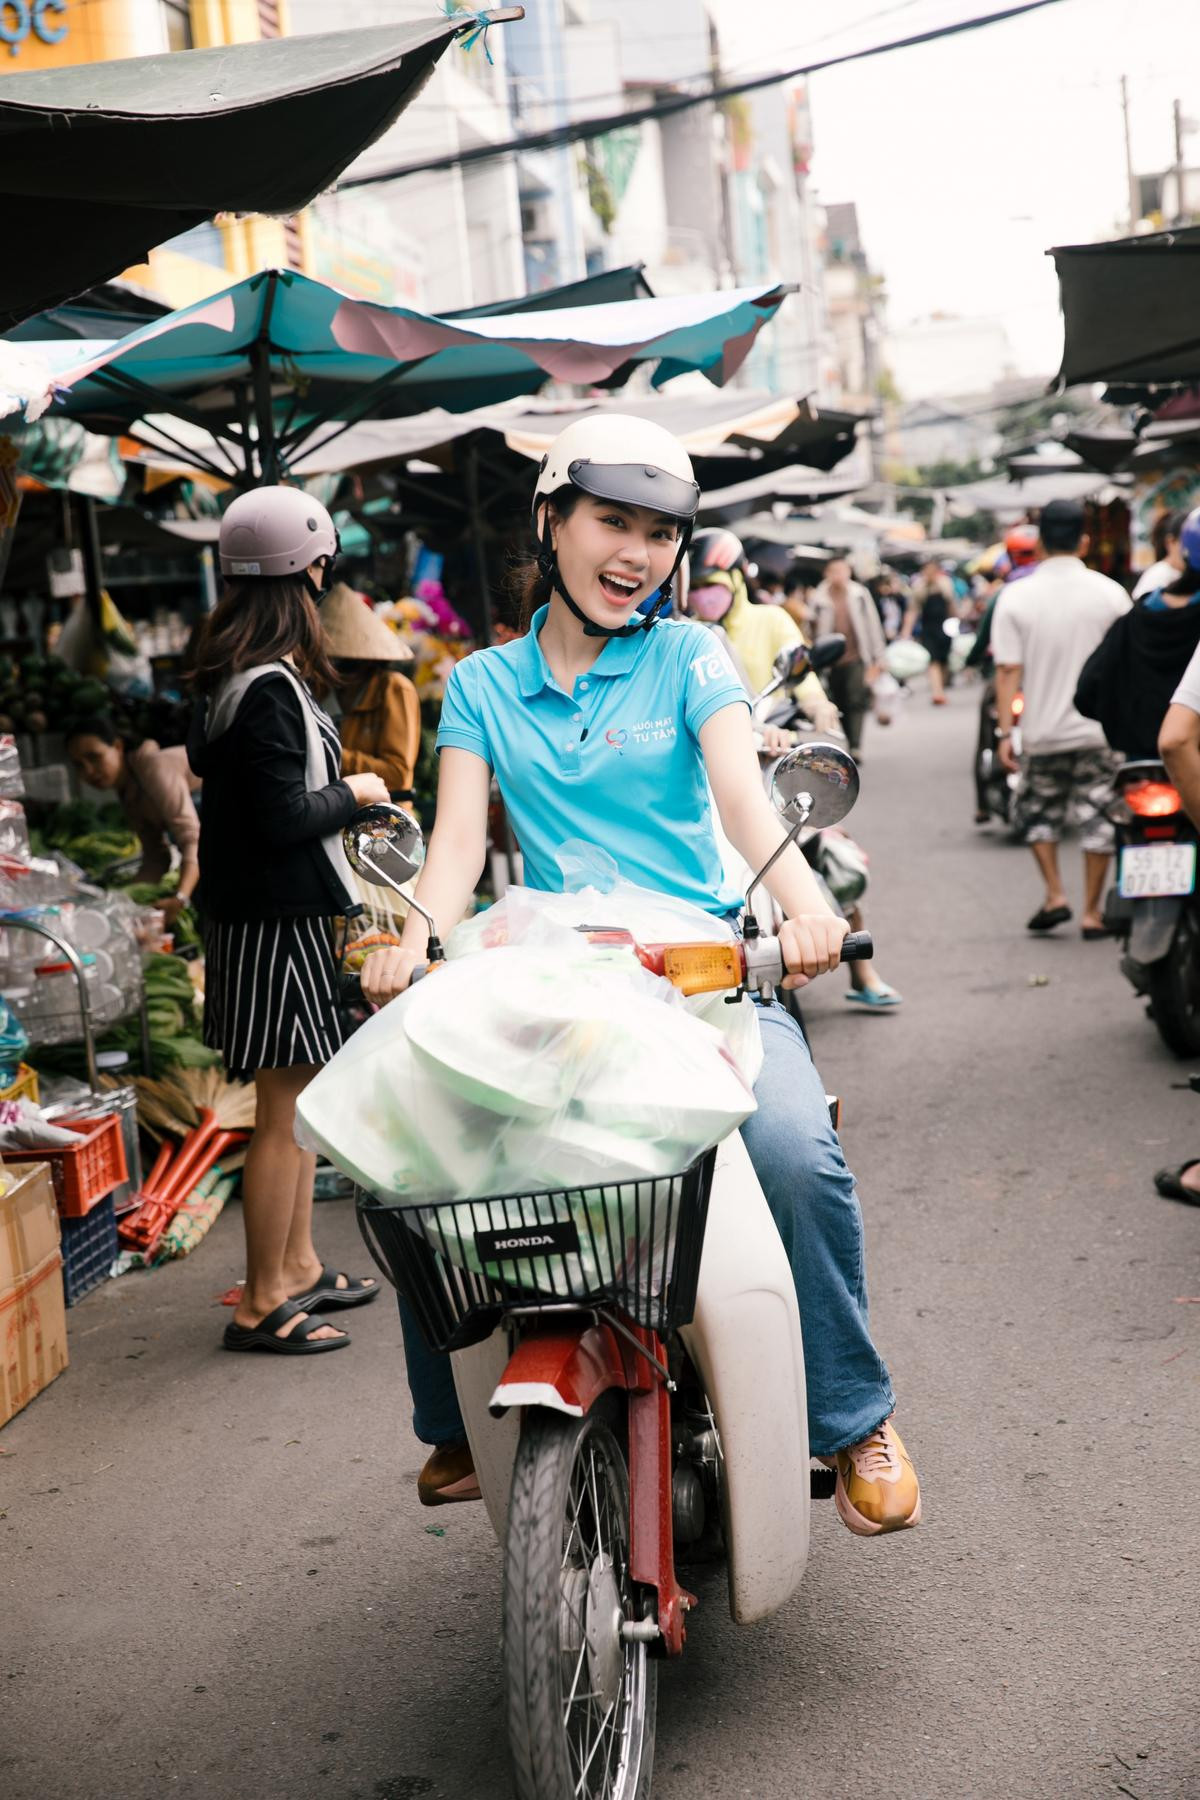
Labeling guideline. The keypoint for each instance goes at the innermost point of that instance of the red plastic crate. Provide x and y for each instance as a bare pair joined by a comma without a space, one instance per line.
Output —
83,1173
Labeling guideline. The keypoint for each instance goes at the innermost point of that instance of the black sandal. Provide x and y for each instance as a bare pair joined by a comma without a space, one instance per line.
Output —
1169,1183
1048,917
325,1295
265,1335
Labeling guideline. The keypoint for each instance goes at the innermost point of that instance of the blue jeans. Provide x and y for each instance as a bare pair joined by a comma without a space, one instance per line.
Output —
812,1197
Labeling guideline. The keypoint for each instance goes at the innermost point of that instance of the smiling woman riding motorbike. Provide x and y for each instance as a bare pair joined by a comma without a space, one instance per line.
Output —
608,724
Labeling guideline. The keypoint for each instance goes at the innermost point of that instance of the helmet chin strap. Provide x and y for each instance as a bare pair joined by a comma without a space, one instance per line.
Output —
548,564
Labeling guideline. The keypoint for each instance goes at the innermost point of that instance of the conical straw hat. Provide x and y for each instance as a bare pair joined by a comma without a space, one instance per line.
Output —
352,631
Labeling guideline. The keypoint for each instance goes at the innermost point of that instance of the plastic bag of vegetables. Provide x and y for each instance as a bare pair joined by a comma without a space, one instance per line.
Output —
523,1070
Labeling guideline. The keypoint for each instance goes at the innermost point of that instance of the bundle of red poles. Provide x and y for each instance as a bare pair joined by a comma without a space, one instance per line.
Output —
174,1176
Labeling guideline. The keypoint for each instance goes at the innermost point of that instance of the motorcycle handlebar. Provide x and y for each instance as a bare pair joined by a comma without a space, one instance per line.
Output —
859,946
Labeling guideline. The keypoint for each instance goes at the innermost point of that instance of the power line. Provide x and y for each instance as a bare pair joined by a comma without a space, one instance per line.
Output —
582,129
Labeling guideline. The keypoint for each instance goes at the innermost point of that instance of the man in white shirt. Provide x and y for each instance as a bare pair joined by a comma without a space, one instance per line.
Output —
1043,632
1179,747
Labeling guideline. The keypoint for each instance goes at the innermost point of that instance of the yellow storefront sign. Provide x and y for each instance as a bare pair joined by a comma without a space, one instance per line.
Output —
52,34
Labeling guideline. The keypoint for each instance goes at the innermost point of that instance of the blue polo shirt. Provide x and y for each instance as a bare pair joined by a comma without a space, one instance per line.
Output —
616,763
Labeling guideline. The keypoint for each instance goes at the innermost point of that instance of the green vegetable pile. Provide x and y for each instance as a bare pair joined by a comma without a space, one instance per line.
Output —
39,693
185,927
94,837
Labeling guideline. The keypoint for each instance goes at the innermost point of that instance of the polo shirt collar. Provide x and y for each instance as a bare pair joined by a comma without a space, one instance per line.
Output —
618,657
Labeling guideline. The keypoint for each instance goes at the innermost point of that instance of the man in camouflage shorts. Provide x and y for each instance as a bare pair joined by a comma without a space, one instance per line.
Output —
1070,786
1043,631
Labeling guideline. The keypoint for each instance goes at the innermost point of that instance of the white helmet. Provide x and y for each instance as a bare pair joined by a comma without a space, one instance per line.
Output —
276,531
614,456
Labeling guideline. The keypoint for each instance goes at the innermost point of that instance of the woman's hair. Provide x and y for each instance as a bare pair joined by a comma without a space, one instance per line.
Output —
99,725
1167,525
258,622
1185,584
527,587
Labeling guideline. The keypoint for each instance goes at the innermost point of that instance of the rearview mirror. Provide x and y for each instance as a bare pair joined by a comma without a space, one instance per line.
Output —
827,650
384,845
815,785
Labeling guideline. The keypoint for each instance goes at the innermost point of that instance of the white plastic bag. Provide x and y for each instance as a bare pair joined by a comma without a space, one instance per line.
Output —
906,660
530,1067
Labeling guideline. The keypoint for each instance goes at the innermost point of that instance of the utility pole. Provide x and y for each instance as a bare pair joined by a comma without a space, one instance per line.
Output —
1135,207
1180,210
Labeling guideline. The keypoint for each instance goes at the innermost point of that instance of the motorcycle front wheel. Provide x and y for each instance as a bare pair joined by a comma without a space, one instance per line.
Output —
581,1699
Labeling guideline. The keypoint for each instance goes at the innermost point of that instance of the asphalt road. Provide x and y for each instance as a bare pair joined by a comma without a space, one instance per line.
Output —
215,1581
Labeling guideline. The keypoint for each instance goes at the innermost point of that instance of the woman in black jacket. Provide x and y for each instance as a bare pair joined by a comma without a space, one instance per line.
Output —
273,879
1127,682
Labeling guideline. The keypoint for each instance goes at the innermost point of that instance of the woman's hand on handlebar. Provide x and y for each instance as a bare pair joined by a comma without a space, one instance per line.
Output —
386,973
811,945
368,790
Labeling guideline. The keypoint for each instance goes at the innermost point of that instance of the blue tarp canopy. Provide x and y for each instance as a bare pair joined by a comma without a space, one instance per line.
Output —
277,365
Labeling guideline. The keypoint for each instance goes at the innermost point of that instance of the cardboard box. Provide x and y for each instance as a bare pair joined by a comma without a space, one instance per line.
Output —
33,1319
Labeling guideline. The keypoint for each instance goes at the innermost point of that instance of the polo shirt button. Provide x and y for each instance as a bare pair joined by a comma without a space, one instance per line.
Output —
577,717
570,746
583,687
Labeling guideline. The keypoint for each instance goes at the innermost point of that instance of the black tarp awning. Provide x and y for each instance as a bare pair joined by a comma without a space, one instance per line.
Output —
1130,310
607,285
102,162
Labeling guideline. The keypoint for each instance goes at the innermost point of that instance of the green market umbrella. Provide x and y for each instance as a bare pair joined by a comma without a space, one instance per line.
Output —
277,365
101,162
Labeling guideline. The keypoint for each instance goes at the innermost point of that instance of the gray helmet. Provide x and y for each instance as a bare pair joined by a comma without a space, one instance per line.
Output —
276,531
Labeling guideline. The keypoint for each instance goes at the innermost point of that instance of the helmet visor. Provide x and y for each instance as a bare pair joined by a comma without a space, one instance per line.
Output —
637,484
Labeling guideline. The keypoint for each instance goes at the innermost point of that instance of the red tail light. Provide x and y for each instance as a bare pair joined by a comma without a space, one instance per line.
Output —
1018,706
1152,799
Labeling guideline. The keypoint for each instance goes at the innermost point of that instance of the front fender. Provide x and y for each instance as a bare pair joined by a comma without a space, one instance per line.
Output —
566,1371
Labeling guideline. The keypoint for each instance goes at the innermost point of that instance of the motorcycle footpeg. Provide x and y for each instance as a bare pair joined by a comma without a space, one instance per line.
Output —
822,1482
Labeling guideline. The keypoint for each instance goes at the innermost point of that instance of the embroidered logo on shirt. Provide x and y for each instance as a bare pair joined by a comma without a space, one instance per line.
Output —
654,731
616,738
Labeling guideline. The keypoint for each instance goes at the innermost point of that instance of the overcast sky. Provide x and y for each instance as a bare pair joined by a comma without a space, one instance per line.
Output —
969,157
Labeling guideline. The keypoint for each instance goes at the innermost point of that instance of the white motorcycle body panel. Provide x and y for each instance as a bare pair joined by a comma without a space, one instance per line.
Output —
745,1342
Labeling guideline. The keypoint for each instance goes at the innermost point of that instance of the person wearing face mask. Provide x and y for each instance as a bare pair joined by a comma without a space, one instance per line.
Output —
275,878
718,595
624,729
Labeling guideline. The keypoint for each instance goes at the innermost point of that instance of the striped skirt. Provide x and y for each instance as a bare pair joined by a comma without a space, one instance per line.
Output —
270,993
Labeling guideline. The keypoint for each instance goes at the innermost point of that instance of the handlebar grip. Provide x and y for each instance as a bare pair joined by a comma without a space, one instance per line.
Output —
859,946
350,983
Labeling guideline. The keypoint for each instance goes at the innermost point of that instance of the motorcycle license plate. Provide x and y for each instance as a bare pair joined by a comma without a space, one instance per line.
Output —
1152,871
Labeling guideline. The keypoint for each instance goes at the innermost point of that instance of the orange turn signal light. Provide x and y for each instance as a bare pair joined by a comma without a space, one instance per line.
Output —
702,968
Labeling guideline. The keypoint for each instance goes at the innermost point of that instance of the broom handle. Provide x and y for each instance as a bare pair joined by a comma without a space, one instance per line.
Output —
190,1151
156,1174
211,1152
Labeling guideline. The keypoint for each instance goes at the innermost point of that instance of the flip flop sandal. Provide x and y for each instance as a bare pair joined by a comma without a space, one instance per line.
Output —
1048,918
873,997
1169,1183
326,1296
299,1341
1091,933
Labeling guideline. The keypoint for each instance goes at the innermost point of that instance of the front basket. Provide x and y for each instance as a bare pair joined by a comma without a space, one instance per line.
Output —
631,1246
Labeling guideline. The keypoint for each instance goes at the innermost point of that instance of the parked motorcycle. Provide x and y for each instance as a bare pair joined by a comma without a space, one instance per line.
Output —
994,784
630,1367
1153,907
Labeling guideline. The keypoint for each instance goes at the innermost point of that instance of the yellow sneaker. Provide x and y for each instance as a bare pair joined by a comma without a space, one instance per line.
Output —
877,1488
